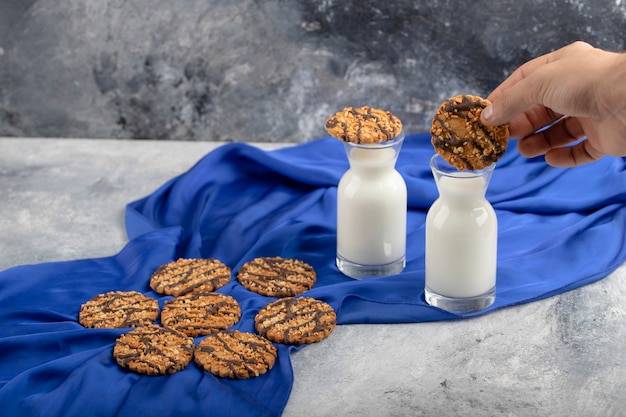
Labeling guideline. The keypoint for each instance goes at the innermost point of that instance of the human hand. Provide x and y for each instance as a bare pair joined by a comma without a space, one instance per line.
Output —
579,91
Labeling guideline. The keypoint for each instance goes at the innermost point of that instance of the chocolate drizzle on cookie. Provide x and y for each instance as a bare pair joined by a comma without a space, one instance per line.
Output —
466,104
333,122
296,321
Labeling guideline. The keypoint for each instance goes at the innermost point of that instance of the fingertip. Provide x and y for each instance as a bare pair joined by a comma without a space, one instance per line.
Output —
487,115
556,158
525,150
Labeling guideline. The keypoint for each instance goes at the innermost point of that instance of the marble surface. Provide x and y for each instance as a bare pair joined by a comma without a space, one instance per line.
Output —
563,356
267,71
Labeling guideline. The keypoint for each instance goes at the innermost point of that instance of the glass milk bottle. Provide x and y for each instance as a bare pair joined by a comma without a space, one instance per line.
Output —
371,211
461,241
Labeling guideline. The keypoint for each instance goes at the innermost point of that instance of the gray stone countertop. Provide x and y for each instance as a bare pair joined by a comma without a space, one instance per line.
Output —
564,356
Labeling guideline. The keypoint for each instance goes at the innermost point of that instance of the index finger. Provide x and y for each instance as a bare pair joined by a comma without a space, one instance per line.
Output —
519,74
527,85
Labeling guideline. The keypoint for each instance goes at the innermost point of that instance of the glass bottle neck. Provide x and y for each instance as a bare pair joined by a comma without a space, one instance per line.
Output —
371,159
374,156
461,191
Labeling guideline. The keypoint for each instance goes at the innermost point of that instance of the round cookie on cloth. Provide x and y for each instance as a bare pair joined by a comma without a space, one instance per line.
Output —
363,125
295,321
235,355
277,277
200,313
118,309
153,350
461,139
190,274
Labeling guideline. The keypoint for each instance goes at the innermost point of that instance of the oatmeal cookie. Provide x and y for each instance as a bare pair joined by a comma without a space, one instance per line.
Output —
153,350
190,274
200,313
295,321
117,309
236,355
277,277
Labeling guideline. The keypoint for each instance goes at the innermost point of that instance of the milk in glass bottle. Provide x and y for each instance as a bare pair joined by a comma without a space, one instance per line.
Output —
461,241
371,211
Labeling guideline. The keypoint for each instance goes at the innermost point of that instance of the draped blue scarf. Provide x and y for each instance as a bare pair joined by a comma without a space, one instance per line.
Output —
559,229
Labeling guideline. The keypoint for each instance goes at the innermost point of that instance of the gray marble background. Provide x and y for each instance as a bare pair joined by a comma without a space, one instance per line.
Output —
252,70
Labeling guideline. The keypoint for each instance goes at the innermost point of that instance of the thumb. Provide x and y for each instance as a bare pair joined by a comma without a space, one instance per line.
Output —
534,88
487,116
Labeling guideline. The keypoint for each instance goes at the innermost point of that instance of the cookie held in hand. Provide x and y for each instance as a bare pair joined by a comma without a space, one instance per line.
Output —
458,135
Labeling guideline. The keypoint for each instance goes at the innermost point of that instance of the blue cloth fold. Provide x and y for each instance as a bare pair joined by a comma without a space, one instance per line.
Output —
558,229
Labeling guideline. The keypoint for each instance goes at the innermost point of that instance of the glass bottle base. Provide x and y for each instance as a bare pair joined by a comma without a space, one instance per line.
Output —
461,305
358,271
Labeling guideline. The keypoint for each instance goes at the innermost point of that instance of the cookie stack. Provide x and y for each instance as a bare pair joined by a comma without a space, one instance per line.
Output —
196,310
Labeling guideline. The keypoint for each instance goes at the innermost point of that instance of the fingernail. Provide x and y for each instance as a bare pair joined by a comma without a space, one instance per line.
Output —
487,113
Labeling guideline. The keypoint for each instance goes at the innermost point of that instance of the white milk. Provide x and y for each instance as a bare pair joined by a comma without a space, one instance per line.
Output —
461,239
371,208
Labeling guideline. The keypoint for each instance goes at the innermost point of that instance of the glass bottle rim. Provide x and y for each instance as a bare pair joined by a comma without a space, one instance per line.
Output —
387,144
442,167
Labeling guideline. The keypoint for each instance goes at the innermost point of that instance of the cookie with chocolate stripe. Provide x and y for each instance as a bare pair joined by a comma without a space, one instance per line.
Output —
153,350
365,125
190,274
235,355
458,135
295,321
200,313
118,309
276,276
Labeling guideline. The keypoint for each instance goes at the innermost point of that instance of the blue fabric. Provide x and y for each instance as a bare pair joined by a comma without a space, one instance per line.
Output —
558,229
